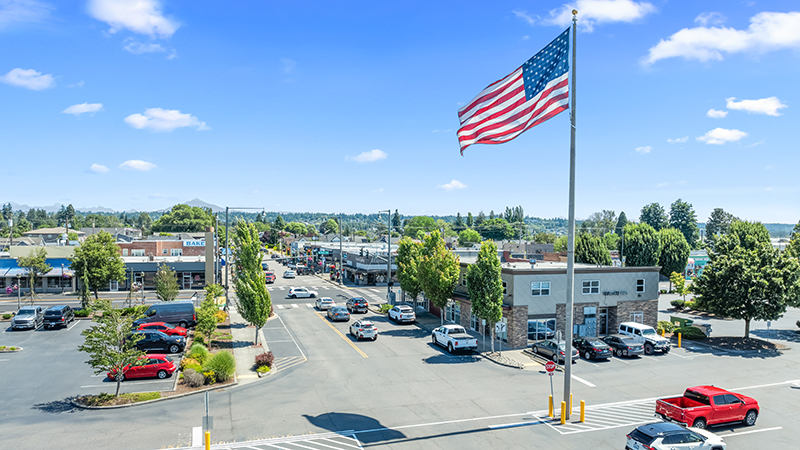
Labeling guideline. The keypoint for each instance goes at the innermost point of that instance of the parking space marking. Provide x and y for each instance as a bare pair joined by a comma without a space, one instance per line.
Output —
341,335
309,305
294,306
603,417
749,432
73,325
337,441
280,306
583,381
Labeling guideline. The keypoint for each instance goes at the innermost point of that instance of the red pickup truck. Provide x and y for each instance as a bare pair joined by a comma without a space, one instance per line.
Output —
701,406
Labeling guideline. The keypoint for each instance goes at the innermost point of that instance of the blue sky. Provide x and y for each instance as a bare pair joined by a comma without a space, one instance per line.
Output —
352,106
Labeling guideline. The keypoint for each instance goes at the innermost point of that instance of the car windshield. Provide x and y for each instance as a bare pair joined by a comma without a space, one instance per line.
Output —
405,310
648,332
56,312
455,330
27,311
598,343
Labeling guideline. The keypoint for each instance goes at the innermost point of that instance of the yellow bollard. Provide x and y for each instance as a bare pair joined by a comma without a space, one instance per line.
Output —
583,411
662,332
208,440
551,407
563,412
679,340
570,404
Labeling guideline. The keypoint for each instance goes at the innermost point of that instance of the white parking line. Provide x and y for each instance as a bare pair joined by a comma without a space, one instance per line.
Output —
73,325
309,305
749,432
583,381
294,306
280,306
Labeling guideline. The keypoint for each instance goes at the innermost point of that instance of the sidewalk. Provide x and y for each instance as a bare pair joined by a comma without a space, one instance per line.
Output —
243,349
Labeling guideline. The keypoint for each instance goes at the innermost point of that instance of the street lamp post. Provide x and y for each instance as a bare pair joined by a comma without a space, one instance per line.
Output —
143,288
62,278
388,253
341,258
19,291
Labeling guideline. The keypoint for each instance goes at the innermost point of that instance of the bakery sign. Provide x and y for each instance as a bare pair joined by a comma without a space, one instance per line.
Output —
194,243
615,292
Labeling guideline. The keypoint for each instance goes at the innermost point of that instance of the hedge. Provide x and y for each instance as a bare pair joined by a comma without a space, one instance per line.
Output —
691,333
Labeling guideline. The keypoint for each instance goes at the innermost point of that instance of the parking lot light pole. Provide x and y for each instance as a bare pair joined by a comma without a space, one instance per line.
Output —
341,258
388,253
19,290
62,278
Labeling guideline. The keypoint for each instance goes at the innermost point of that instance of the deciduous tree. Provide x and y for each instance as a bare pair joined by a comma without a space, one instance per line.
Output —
674,251
184,219
655,216
642,247
252,297
407,260
166,283
98,258
36,265
747,279
111,346
424,224
438,271
485,286
468,237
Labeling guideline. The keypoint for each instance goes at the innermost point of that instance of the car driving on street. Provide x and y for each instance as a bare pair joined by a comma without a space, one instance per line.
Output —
364,329
289,274
302,293
325,303
669,436
403,313
357,304
338,313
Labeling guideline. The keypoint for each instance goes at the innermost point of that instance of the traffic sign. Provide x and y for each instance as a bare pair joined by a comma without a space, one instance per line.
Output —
500,327
550,366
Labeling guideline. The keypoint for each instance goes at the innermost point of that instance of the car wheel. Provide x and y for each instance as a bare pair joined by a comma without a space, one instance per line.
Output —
162,374
122,377
183,324
313,295
433,339
554,357
535,350
619,352
699,423
587,355
648,349
375,338
750,418
450,348
174,348
292,296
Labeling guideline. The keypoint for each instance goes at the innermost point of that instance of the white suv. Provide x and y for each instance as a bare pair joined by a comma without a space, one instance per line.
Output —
645,335
402,313
301,293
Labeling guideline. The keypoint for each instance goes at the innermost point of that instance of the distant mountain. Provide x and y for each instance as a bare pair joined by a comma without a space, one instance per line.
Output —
96,209
51,209
199,203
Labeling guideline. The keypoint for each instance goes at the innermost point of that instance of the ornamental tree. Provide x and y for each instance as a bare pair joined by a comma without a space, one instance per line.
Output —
166,283
97,261
467,237
438,271
683,217
252,297
747,279
485,286
590,249
36,264
111,345
407,260
674,251
642,247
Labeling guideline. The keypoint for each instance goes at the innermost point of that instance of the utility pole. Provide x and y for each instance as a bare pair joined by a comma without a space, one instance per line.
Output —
341,257
227,256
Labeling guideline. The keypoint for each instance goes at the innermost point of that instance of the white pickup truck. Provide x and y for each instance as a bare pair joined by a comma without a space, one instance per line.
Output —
454,337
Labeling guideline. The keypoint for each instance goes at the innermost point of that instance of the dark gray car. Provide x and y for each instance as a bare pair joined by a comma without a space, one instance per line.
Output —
28,317
58,316
553,350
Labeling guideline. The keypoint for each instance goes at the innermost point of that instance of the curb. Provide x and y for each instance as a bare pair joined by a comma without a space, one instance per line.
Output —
19,349
127,405
734,352
516,366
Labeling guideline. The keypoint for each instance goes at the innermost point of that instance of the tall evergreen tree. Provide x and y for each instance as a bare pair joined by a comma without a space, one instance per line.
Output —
683,218
621,222
396,222
590,249
252,297
655,216
458,225
642,246
470,220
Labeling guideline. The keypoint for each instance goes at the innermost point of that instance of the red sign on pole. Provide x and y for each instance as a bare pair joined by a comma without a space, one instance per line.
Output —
550,366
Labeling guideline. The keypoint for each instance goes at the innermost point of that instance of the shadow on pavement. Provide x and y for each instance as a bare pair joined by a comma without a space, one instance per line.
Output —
408,333
454,359
56,406
369,430
784,335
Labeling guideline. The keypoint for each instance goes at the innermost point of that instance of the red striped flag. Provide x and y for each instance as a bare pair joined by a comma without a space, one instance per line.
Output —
535,92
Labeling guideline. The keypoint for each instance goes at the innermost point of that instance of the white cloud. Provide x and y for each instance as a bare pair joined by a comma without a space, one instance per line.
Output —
23,11
524,16
768,106
28,79
719,136
139,16
137,164
455,184
137,48
158,119
370,156
768,31
713,113
288,65
713,18
643,150
678,140
97,168
591,12
78,84
83,108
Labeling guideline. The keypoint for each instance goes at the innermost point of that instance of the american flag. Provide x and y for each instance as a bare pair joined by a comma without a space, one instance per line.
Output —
527,97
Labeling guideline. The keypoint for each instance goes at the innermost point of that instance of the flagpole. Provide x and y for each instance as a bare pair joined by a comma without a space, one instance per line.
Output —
571,231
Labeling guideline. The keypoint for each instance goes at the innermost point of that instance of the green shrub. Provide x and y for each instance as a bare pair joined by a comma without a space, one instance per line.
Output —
82,313
196,367
223,364
263,369
688,304
100,304
199,338
690,333
186,362
677,303
7,316
2,347
385,308
665,325
199,352
193,378
210,377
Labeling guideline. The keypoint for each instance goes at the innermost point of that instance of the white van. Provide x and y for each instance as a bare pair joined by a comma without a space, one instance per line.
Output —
646,335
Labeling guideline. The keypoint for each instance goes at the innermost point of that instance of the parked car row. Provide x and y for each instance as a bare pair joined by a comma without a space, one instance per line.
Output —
151,366
633,339
33,317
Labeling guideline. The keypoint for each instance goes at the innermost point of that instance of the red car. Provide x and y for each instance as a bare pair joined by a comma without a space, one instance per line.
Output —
160,366
270,277
702,406
166,328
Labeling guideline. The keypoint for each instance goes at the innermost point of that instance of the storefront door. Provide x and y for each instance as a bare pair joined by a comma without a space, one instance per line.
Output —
603,318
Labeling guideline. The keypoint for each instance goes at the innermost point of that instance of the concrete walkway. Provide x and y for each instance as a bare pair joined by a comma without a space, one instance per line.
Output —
243,335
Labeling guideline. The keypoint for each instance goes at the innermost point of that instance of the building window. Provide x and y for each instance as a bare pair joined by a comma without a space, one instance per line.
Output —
505,288
124,252
637,316
464,279
540,288
475,323
591,287
164,252
640,285
177,251
137,252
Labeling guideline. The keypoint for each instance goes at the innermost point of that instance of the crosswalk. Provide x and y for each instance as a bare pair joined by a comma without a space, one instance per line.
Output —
337,441
293,306
287,362
603,417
